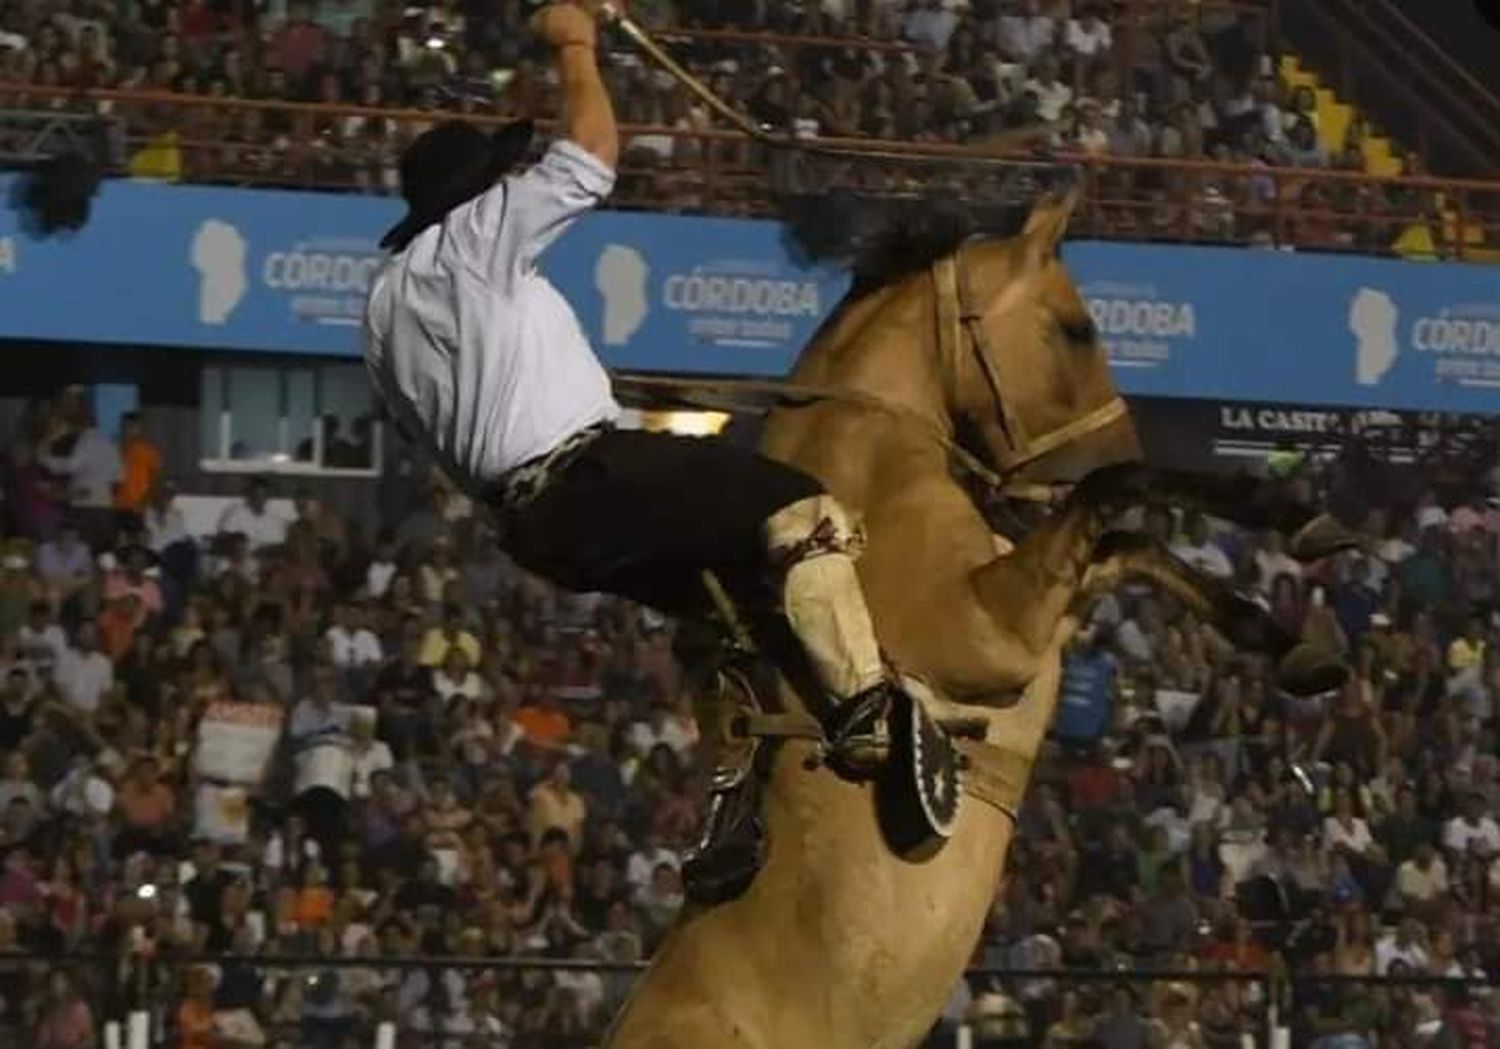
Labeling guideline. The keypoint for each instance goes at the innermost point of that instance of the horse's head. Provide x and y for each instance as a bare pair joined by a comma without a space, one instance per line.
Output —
1025,373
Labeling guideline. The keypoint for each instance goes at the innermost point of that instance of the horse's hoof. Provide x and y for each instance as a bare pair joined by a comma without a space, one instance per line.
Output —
1308,670
1322,537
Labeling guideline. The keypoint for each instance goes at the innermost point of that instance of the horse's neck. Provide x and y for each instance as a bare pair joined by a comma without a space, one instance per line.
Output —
881,352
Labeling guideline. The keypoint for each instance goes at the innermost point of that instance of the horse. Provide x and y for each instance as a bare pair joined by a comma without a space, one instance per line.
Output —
946,340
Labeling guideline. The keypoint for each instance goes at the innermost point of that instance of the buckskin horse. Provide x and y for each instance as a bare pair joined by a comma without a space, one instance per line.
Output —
840,942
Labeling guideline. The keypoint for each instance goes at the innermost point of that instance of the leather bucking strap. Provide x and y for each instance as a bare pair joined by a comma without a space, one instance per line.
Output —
994,775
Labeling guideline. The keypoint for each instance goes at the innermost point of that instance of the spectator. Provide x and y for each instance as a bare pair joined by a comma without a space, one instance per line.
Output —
1422,879
452,633
65,563
1404,946
255,519
1052,95
352,645
930,23
140,466
1028,33
1473,831
91,463
84,674
554,804
1200,551
66,1020
148,808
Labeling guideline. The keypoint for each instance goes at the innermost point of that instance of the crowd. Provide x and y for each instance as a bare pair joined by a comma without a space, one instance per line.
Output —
299,734
1179,81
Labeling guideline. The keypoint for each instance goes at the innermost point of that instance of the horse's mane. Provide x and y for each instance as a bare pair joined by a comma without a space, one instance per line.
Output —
883,241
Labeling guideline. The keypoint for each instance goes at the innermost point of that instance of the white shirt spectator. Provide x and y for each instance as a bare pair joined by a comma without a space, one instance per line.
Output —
43,647
1484,836
358,647
1051,98
314,720
511,376
1026,37
1389,951
1088,37
378,577
1356,836
644,736
930,24
165,528
65,562
83,793
26,790
83,678
93,468
261,528
1093,140
369,759
470,686
1414,883
644,861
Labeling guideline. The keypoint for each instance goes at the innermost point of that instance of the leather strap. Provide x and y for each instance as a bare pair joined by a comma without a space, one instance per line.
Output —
780,726
995,775
961,321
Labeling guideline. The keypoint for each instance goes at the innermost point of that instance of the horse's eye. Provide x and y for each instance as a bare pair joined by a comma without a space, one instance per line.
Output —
1080,330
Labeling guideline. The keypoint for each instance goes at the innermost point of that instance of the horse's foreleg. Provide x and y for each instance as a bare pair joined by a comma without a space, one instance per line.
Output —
1255,503
1026,592
1302,669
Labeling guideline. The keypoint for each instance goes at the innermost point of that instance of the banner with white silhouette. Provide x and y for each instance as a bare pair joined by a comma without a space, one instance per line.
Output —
214,268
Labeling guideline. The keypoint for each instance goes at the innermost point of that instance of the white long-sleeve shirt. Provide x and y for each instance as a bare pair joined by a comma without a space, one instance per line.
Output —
473,350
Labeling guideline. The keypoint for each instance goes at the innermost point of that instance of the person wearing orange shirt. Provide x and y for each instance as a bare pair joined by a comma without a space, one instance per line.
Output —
141,466
195,1016
314,906
544,723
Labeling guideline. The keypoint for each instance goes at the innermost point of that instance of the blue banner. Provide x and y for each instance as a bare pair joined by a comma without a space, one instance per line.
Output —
287,272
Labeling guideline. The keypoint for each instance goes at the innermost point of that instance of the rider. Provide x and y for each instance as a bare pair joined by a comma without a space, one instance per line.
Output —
475,351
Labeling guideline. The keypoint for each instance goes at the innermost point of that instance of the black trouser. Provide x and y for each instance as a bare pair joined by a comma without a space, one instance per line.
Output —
641,515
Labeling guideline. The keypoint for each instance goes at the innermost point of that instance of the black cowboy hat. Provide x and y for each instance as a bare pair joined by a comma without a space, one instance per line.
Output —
449,164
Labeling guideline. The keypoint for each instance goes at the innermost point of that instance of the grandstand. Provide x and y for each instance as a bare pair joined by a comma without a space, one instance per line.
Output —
291,753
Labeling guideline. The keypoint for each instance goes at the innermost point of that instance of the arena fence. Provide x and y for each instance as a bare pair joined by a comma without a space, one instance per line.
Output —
455,1002
244,142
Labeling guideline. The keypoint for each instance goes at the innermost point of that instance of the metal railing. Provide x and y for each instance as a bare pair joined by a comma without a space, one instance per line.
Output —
143,1000
355,149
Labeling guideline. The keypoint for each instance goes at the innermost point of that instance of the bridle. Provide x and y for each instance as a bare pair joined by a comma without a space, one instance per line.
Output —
960,322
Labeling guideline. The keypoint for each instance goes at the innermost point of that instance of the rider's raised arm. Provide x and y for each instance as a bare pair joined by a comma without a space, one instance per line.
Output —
508,228
588,114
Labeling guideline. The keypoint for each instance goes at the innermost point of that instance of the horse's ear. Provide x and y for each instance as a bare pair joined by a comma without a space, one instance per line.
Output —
1048,222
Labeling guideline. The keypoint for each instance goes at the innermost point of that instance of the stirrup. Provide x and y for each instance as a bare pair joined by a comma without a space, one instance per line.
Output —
859,732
